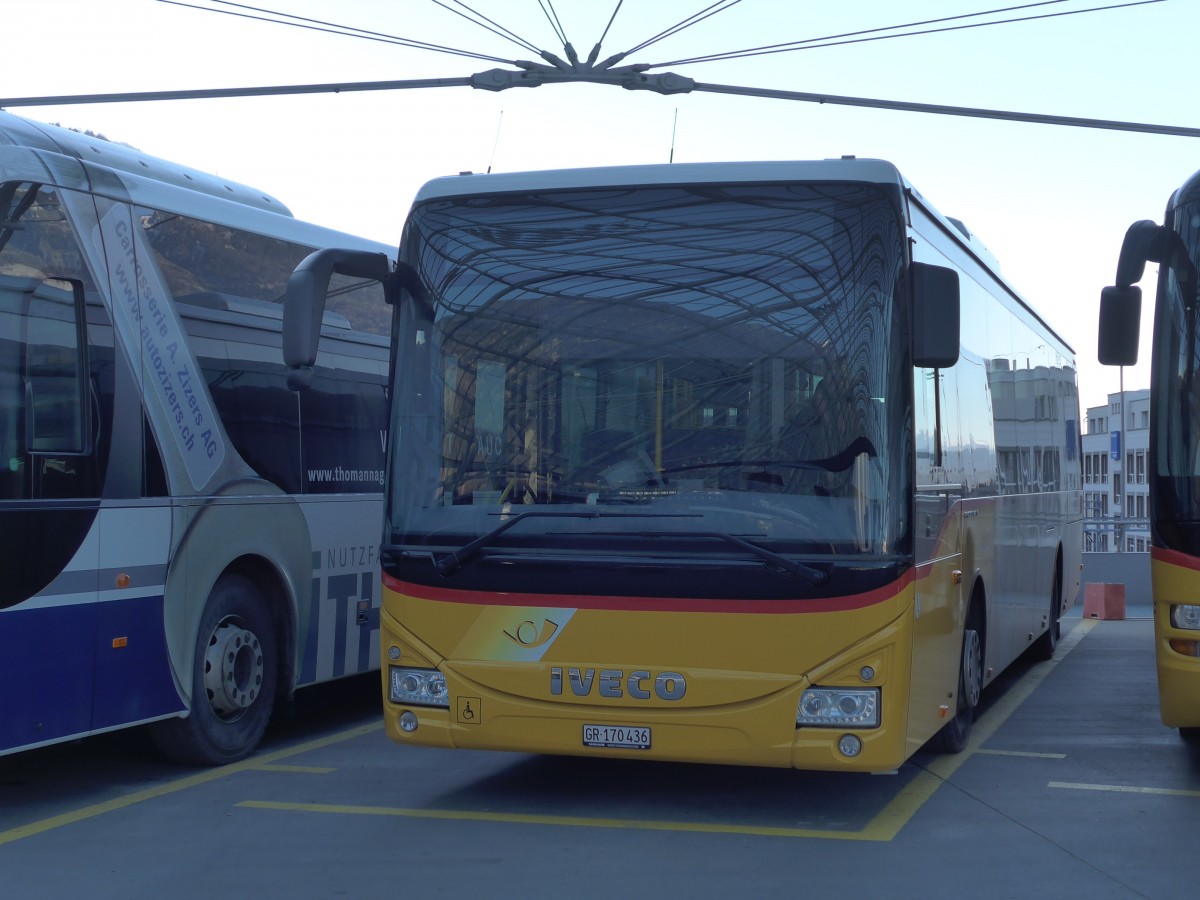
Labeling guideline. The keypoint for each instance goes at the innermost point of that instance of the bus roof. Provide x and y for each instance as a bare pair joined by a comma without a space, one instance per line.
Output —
845,169
22,132
29,150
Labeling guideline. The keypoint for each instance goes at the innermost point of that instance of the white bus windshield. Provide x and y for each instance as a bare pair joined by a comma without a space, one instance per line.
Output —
700,364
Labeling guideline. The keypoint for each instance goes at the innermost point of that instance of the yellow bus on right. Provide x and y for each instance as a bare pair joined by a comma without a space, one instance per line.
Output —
1174,465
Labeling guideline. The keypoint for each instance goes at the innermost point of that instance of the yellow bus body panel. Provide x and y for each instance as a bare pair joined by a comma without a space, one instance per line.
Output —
744,675
1175,578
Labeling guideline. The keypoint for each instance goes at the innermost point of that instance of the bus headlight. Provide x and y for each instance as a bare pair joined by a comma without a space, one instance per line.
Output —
839,708
1186,616
421,687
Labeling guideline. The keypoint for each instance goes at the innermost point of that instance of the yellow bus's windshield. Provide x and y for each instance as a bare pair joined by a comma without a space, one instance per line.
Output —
713,372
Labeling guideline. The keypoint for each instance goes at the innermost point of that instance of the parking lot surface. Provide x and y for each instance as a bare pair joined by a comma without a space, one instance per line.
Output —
1070,787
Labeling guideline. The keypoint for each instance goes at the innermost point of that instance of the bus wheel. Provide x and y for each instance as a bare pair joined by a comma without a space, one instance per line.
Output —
1045,645
233,680
954,734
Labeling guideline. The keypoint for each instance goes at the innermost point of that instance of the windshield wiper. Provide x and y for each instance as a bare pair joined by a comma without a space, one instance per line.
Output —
806,573
839,462
453,561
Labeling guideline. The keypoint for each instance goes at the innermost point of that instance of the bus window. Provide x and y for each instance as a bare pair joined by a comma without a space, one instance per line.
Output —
55,371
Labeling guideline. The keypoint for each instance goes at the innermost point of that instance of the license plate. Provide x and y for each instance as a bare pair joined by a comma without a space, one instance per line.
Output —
624,737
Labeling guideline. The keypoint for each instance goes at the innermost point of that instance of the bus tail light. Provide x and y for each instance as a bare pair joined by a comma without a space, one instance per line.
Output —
839,708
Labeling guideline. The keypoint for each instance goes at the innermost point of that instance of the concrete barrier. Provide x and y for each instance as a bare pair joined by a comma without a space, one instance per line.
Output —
1104,601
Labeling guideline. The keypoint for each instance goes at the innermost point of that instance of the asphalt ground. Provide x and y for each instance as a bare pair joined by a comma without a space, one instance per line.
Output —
1071,787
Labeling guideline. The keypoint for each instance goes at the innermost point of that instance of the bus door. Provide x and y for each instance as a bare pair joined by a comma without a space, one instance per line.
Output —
937,523
49,499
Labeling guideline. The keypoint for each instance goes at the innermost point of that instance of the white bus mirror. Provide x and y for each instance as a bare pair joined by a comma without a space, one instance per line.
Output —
304,303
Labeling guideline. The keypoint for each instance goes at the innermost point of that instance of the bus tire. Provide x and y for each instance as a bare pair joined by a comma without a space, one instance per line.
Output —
953,736
1045,645
233,680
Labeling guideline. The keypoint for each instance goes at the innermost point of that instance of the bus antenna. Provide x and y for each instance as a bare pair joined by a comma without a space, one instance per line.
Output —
674,123
495,143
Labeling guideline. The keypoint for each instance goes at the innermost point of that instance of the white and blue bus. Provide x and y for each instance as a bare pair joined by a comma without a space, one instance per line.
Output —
184,539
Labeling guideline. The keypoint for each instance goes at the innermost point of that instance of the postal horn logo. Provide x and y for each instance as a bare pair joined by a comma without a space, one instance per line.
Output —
530,634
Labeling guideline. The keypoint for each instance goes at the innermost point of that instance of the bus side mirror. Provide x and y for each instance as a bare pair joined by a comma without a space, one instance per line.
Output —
304,303
935,302
1120,319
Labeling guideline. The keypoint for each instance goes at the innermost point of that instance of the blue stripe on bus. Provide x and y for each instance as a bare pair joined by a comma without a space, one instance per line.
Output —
67,678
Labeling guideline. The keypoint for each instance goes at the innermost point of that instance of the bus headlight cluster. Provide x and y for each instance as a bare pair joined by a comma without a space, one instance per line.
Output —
420,687
839,708
1186,616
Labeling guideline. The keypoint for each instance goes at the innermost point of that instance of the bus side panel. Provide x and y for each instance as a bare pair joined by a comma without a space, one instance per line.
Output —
1011,439
937,635
343,636
48,655
133,674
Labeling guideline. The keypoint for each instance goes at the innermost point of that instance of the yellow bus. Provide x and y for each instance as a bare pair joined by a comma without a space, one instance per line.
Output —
695,463
1174,451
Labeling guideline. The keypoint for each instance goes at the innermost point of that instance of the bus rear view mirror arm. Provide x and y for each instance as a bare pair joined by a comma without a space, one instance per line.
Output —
304,303
1121,304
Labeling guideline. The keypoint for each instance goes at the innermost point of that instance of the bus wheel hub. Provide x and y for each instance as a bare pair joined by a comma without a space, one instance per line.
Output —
233,669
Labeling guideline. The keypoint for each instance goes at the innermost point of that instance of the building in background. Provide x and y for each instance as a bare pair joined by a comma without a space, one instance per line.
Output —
1115,491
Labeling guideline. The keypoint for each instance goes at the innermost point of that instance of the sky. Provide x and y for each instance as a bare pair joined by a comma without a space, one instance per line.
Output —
1052,203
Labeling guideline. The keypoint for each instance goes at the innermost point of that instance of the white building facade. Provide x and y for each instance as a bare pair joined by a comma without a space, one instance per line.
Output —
1115,487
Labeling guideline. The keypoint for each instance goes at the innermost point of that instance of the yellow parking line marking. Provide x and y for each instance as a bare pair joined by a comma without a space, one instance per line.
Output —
302,770
533,819
1123,789
884,827
180,784
887,824
1022,753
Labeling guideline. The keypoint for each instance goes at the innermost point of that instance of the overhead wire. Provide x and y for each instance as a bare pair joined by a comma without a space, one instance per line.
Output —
691,20
552,15
494,27
834,40
587,73
611,19
333,28
732,54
